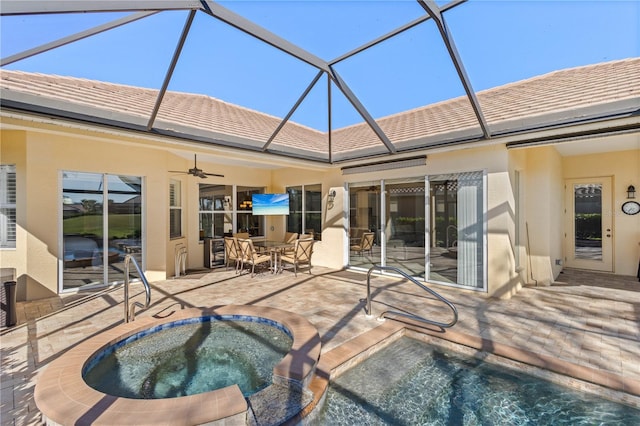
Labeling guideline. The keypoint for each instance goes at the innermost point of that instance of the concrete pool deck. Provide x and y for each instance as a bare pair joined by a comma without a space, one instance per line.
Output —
585,322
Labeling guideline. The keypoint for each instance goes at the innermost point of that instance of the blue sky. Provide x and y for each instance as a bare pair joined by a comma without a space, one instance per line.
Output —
499,42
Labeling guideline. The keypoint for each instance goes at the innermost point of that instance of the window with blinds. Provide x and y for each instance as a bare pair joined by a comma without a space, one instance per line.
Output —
175,209
7,206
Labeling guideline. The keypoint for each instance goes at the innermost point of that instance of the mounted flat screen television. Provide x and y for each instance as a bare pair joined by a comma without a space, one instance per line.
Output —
270,204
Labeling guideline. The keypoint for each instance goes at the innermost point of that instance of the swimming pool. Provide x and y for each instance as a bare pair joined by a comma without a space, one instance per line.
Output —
412,382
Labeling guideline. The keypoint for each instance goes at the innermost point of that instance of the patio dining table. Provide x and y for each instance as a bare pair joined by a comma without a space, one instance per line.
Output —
275,249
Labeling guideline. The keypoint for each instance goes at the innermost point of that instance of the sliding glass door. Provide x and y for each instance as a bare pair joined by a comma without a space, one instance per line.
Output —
433,227
101,223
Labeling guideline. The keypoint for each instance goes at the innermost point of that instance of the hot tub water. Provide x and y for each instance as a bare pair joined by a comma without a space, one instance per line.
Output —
190,358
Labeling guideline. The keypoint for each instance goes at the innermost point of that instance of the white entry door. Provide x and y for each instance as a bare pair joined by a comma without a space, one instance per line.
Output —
589,224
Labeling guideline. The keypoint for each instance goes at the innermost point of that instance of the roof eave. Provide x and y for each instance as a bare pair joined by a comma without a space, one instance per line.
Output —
596,120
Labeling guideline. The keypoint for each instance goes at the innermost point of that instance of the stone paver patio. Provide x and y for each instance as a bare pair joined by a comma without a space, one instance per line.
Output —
585,322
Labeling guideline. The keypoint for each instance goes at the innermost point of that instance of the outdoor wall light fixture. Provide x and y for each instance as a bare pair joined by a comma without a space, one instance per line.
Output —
331,196
631,192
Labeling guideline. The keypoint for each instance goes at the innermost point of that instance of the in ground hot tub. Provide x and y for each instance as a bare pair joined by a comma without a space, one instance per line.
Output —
191,356
64,397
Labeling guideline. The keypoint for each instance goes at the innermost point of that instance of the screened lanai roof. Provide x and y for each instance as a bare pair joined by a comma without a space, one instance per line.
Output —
327,81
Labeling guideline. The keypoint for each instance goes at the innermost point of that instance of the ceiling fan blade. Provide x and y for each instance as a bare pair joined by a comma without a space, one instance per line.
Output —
195,171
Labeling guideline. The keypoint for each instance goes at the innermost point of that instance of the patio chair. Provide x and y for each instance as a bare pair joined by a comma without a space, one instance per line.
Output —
301,255
249,256
366,244
232,252
241,235
289,238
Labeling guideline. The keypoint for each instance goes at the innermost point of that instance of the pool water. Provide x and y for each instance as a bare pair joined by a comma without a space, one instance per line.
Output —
191,358
413,383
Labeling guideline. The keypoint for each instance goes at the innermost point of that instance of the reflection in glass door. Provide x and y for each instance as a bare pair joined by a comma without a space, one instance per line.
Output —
364,224
456,251
96,234
590,226
587,218
216,211
82,229
305,210
443,247
405,225
124,225
246,220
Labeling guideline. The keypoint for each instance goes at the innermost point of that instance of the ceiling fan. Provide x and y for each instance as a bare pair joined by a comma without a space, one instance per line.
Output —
195,171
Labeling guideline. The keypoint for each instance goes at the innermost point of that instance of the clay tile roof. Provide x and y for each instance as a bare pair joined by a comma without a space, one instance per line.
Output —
560,94
556,92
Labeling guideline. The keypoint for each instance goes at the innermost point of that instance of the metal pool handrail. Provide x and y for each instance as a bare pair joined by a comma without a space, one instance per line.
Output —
181,261
416,282
129,310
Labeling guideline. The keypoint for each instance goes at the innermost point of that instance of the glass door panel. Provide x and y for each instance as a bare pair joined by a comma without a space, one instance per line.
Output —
124,224
82,229
443,263
405,227
590,224
456,240
588,221
364,225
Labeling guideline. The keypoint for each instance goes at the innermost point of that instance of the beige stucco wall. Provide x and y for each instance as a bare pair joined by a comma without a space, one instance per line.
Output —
50,153
624,168
13,151
329,252
523,241
40,157
516,170
502,275
44,151
503,278
544,172
542,214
